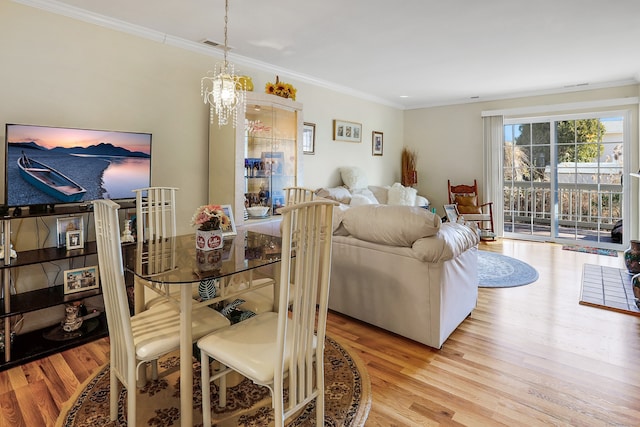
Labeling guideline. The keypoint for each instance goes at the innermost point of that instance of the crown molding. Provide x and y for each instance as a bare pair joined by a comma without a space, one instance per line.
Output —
73,12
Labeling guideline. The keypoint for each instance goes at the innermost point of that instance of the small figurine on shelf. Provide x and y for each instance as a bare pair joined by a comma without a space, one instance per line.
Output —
73,317
127,237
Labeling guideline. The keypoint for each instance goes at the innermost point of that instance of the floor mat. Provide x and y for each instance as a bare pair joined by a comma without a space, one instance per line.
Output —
590,250
609,288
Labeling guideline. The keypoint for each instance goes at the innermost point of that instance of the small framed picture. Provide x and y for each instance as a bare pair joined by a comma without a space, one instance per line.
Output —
309,138
71,223
230,229
376,143
452,212
75,239
347,131
81,279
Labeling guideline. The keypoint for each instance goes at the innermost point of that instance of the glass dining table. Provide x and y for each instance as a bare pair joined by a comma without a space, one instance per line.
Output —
174,268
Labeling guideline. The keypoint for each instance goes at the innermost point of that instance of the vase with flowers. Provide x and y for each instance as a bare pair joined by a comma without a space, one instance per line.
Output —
209,221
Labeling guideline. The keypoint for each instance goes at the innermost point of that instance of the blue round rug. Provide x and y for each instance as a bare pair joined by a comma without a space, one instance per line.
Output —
501,271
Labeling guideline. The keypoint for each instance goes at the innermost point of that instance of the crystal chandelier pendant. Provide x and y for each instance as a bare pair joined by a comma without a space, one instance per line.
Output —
221,89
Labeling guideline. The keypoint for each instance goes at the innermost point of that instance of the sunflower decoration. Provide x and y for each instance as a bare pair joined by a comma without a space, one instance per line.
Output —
285,90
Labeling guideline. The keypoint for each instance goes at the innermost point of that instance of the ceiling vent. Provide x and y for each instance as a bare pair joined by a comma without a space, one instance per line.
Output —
214,43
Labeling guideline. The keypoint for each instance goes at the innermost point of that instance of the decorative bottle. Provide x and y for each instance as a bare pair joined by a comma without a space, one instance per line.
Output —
632,257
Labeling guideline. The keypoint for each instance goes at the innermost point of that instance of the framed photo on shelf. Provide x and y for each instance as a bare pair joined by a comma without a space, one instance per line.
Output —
65,224
75,239
376,143
308,138
81,279
452,212
347,131
229,230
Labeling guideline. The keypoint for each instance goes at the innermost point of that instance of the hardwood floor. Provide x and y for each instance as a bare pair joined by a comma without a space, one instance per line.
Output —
526,356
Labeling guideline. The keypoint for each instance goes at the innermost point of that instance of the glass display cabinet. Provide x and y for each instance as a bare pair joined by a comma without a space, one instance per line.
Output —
251,165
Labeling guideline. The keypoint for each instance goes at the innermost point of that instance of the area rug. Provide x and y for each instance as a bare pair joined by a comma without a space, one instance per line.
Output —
501,271
609,288
590,250
347,398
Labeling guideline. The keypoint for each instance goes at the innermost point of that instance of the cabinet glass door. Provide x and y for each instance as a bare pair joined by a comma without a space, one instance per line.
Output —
270,156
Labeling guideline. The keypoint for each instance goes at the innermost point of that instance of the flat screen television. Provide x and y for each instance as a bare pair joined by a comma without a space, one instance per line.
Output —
53,165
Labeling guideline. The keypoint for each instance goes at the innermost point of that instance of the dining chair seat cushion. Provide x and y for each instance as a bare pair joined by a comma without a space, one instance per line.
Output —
248,347
259,300
156,299
157,331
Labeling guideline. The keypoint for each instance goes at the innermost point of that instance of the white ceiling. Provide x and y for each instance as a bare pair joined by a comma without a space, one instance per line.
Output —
432,52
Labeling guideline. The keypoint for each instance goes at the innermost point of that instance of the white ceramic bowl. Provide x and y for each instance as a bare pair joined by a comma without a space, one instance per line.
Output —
258,211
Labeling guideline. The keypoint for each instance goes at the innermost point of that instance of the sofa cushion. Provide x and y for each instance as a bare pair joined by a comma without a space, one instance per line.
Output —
359,200
401,195
339,194
390,225
353,177
381,193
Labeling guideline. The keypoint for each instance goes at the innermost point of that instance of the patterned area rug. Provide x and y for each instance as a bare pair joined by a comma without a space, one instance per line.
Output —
501,271
590,250
609,288
347,398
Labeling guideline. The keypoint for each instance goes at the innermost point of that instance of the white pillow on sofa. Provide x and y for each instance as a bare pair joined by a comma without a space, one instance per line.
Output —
339,194
401,195
353,177
364,192
390,225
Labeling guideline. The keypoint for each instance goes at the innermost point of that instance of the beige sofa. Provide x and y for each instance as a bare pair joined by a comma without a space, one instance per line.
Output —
399,268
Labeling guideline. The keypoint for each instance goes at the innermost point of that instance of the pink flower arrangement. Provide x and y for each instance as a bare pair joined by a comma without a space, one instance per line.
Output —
210,217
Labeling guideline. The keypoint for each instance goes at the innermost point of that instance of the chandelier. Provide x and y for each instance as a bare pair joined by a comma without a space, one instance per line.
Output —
221,88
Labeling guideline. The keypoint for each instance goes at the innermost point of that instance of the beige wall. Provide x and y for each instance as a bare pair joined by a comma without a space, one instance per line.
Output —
449,139
59,71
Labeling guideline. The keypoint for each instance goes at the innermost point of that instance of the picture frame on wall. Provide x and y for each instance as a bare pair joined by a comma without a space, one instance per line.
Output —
376,143
66,224
81,279
308,138
229,230
347,131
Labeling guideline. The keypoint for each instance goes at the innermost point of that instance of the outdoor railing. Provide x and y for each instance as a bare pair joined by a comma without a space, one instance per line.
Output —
585,206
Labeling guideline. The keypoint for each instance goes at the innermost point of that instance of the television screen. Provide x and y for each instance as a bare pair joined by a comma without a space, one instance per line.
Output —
53,165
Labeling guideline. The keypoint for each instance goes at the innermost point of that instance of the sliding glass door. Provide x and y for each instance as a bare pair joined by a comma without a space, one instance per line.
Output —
562,178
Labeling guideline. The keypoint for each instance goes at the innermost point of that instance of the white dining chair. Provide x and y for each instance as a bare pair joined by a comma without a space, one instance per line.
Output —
273,348
155,213
155,224
142,338
293,195
261,300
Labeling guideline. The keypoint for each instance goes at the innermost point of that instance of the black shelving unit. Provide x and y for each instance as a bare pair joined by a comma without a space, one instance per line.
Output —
39,343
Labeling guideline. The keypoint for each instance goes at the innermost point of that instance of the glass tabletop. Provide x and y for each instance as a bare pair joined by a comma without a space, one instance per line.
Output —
176,260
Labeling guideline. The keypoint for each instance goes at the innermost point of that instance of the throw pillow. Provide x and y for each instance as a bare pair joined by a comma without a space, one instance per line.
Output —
467,204
353,177
339,194
365,192
401,195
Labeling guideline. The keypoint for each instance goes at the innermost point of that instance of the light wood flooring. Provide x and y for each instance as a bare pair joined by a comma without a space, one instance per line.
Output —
526,356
